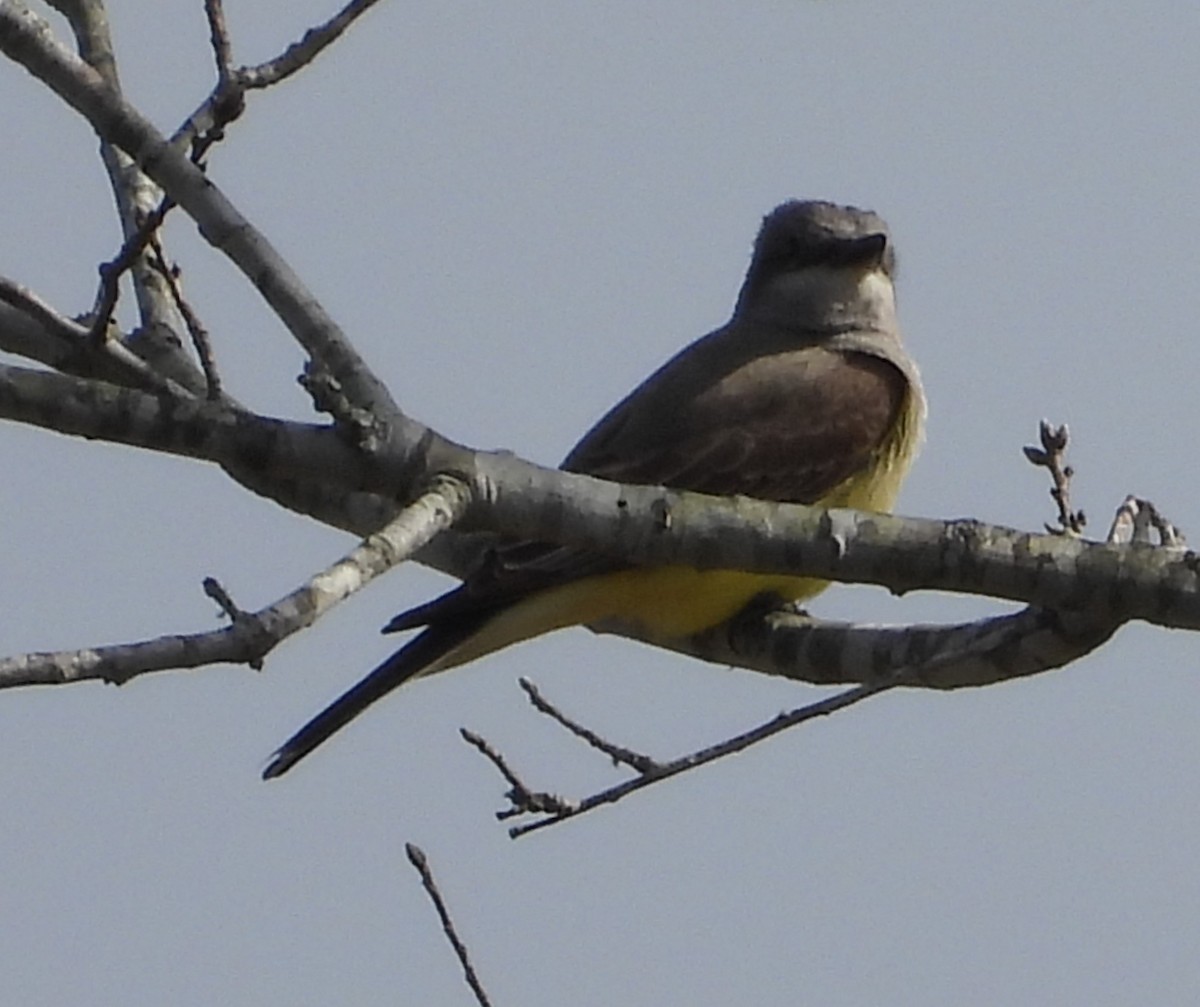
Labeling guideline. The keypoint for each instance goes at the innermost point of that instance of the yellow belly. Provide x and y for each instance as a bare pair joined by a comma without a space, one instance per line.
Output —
675,602
671,602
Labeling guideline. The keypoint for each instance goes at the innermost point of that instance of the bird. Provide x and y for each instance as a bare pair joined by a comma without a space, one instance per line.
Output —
806,395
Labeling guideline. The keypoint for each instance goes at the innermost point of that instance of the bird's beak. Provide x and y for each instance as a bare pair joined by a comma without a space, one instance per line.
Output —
865,251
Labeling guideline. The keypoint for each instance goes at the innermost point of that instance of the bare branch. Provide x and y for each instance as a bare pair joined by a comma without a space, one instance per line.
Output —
26,39
199,334
301,53
218,32
307,468
193,428
55,324
136,197
620,755
996,649
1031,641
523,799
665,770
206,125
1052,455
1161,586
416,857
1113,582
253,635
1136,519
131,254
67,346
360,426
990,650
214,589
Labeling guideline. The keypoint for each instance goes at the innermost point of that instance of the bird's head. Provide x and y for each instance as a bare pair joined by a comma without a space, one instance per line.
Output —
818,265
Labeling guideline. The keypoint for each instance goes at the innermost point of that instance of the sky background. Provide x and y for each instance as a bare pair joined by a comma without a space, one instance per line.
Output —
517,211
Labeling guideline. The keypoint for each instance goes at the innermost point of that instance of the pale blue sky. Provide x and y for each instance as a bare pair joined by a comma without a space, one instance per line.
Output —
518,210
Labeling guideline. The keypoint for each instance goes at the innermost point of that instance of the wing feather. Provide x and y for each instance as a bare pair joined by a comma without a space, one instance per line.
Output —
788,427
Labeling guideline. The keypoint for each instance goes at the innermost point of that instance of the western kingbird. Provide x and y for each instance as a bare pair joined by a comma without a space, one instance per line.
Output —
805,396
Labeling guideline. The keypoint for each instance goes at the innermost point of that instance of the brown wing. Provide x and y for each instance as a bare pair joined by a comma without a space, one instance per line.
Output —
790,427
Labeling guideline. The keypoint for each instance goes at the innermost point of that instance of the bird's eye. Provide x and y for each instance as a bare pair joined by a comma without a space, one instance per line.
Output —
870,248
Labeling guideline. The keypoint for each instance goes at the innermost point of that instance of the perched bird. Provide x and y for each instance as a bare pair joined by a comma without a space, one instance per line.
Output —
806,396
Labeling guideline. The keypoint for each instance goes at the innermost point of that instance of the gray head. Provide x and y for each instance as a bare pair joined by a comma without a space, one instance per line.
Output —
803,235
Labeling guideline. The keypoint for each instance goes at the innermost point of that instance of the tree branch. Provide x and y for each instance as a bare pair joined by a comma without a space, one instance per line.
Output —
51,338
416,857
300,54
137,201
1080,591
227,101
194,428
877,659
513,497
821,652
251,636
659,771
27,39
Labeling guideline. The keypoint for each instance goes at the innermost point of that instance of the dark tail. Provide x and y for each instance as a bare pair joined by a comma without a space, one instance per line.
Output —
410,660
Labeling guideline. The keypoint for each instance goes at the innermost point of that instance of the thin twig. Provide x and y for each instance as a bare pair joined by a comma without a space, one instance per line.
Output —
416,857
1052,456
83,356
218,32
359,426
216,591
206,125
253,635
730,746
42,312
228,99
112,271
620,756
299,54
522,799
196,329
1169,534
28,41
135,195
1134,521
